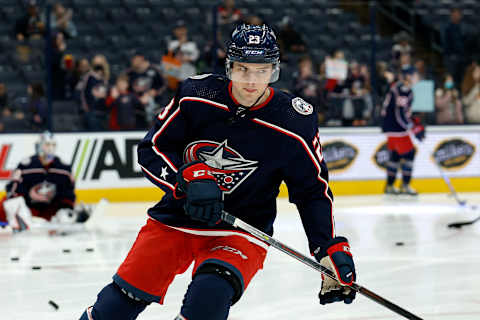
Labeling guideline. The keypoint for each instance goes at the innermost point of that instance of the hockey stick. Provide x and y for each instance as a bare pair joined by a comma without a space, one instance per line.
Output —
232,220
458,225
449,184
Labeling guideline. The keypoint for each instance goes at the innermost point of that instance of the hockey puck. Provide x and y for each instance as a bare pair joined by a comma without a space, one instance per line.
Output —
89,249
53,304
36,268
14,258
66,251
399,243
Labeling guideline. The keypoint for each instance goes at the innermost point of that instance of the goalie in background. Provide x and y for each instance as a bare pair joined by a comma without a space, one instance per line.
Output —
41,186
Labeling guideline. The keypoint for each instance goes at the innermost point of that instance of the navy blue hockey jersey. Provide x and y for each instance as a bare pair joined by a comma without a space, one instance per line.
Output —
44,188
249,152
396,111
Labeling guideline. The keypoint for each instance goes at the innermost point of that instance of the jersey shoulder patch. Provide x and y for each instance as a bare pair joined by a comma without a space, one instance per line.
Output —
26,161
301,106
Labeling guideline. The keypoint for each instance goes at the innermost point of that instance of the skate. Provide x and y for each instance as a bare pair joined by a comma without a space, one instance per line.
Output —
408,190
391,190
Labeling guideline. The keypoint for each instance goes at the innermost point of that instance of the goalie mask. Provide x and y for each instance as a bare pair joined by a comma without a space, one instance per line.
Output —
253,44
46,146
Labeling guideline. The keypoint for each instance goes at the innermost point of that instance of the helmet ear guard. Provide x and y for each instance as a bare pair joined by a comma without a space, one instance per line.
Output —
253,44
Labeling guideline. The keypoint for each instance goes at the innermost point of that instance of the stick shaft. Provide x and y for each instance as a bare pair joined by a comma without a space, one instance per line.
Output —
228,218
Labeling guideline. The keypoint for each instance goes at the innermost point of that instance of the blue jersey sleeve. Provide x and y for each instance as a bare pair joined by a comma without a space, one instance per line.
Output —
160,152
306,177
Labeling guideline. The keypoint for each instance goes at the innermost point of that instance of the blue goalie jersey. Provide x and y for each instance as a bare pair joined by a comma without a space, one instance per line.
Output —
250,151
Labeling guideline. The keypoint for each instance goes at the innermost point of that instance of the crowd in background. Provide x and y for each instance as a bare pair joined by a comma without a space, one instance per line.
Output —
339,86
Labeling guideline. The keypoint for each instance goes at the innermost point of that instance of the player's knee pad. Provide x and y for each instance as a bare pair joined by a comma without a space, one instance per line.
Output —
18,213
225,273
209,296
114,303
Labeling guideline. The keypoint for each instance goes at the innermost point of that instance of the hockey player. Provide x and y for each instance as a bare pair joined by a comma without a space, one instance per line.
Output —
41,186
227,143
398,125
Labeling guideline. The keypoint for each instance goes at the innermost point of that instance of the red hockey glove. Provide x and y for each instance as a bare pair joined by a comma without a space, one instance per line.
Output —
336,256
418,129
203,196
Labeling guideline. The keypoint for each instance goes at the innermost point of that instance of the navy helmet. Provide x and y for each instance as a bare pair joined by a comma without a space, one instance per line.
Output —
254,44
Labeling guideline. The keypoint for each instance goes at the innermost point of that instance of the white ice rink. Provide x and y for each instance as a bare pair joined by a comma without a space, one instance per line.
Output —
435,274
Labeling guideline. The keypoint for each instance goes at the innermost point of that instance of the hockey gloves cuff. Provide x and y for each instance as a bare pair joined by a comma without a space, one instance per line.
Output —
418,129
336,256
203,196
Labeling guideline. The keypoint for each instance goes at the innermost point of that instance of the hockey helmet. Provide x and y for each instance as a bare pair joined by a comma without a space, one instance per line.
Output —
46,146
253,44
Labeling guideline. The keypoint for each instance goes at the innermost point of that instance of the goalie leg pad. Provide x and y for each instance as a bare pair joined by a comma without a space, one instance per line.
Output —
209,296
113,303
18,213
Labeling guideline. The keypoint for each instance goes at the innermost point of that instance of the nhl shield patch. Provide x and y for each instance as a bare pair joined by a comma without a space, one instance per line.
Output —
301,106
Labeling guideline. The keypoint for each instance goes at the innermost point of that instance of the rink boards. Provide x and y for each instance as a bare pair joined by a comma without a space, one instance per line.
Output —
105,164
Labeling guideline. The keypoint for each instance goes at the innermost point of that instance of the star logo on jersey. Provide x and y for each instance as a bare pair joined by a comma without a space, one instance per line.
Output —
227,165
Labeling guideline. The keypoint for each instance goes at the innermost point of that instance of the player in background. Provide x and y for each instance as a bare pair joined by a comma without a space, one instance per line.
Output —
399,126
41,186
227,143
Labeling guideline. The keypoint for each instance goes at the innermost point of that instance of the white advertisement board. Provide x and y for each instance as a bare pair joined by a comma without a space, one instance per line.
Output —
109,160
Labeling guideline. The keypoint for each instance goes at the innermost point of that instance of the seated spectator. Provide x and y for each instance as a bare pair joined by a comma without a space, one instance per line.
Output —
61,20
5,110
228,14
127,111
254,20
187,47
146,81
361,104
30,25
308,86
472,99
94,91
289,39
447,103
401,46
37,107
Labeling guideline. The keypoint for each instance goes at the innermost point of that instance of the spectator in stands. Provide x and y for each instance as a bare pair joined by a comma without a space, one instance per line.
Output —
423,71
454,37
61,21
5,110
228,14
309,86
447,103
59,84
188,48
401,46
127,111
30,25
472,98
254,20
289,39
358,108
37,107
94,92
146,81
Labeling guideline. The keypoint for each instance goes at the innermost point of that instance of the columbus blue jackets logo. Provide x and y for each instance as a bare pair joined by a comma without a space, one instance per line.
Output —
228,166
43,192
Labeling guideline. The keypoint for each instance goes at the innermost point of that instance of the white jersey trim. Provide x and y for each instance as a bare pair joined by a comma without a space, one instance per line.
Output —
210,102
158,133
165,183
219,233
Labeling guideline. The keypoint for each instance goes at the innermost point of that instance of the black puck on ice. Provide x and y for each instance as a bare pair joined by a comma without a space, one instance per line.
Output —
36,268
14,258
399,243
66,251
89,249
53,304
